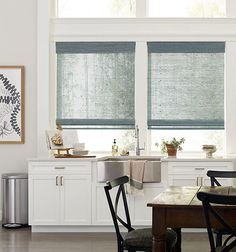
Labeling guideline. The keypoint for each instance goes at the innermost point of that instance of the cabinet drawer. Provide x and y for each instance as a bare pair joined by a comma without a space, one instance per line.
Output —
186,180
198,167
60,167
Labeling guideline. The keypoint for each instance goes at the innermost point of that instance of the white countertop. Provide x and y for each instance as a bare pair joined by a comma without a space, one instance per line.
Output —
51,159
162,158
198,159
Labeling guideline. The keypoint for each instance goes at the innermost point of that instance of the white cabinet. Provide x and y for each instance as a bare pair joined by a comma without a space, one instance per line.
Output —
189,173
59,193
76,200
66,195
140,214
44,200
101,210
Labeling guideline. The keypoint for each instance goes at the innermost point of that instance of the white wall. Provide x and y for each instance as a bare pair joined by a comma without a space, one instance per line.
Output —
18,47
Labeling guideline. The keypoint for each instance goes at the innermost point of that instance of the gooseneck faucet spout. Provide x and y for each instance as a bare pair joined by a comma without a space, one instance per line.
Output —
138,149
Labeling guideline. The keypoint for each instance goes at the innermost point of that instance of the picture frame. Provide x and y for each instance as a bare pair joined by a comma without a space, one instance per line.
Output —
12,110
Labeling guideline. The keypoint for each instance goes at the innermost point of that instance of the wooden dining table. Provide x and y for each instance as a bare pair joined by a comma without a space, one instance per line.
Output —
178,207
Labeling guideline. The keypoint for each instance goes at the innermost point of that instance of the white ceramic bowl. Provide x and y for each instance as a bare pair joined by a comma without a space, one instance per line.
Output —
209,149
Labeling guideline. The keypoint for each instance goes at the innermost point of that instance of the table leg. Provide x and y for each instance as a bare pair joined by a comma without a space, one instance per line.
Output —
179,239
158,230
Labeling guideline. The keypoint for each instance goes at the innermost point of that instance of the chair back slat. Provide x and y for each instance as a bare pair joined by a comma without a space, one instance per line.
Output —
121,191
118,234
219,174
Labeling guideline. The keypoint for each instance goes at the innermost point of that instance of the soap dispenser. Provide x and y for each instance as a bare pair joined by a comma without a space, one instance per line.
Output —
114,148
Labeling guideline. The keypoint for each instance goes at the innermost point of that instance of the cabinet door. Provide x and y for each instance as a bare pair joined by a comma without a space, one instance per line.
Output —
75,199
139,212
101,213
44,200
183,180
101,210
195,180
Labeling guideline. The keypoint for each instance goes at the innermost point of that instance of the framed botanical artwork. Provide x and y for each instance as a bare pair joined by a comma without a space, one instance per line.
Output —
12,104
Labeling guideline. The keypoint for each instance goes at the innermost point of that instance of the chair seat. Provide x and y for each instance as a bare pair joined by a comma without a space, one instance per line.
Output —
143,238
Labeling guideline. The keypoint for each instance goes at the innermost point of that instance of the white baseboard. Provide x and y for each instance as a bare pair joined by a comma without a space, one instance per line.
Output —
95,229
79,229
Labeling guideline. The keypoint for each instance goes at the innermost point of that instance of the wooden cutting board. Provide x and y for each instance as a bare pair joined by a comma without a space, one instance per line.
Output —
72,156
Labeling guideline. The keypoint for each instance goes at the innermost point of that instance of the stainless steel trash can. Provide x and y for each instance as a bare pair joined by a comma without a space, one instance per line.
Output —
14,200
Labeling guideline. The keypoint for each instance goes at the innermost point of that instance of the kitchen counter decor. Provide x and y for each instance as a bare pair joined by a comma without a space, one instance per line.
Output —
171,146
72,156
209,149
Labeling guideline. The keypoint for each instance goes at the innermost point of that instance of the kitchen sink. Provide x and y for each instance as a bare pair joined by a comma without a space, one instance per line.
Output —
114,167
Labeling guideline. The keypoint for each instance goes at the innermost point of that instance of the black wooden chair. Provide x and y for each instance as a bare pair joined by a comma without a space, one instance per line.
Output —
133,240
212,214
213,175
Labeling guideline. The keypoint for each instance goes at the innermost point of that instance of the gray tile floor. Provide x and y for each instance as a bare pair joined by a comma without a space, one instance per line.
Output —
22,240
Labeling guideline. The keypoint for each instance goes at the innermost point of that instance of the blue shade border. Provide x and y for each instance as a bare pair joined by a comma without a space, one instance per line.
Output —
186,47
94,47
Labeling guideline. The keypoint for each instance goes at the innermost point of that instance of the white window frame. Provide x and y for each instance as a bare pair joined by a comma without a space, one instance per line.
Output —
141,8
141,30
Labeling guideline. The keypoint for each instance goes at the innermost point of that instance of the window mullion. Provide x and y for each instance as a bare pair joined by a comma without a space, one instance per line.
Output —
230,8
141,92
141,8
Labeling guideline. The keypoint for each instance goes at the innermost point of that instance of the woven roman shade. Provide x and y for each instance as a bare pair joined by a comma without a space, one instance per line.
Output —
186,85
95,84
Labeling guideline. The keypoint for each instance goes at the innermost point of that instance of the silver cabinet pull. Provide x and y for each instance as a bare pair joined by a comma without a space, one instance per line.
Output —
199,181
199,168
56,180
61,180
59,167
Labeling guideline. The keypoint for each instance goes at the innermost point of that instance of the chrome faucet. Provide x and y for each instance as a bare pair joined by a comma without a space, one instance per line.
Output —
138,149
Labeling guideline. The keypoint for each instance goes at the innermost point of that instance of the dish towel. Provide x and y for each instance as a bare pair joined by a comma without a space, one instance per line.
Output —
136,174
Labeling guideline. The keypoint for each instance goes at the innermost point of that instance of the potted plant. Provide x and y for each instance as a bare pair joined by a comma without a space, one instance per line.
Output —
171,146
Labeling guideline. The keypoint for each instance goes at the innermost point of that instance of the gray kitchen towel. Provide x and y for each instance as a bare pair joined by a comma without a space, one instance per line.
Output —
136,174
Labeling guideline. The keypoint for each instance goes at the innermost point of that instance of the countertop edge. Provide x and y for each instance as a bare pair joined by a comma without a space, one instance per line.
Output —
162,159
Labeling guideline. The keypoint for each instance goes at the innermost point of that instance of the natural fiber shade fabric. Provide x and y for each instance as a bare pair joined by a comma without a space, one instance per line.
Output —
95,84
186,85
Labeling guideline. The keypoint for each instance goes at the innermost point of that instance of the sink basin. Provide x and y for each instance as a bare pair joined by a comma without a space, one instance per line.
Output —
114,167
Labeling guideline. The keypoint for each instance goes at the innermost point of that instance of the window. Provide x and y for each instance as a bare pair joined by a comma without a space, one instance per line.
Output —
187,8
98,140
129,8
87,30
95,90
194,139
186,91
186,85
96,8
95,84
